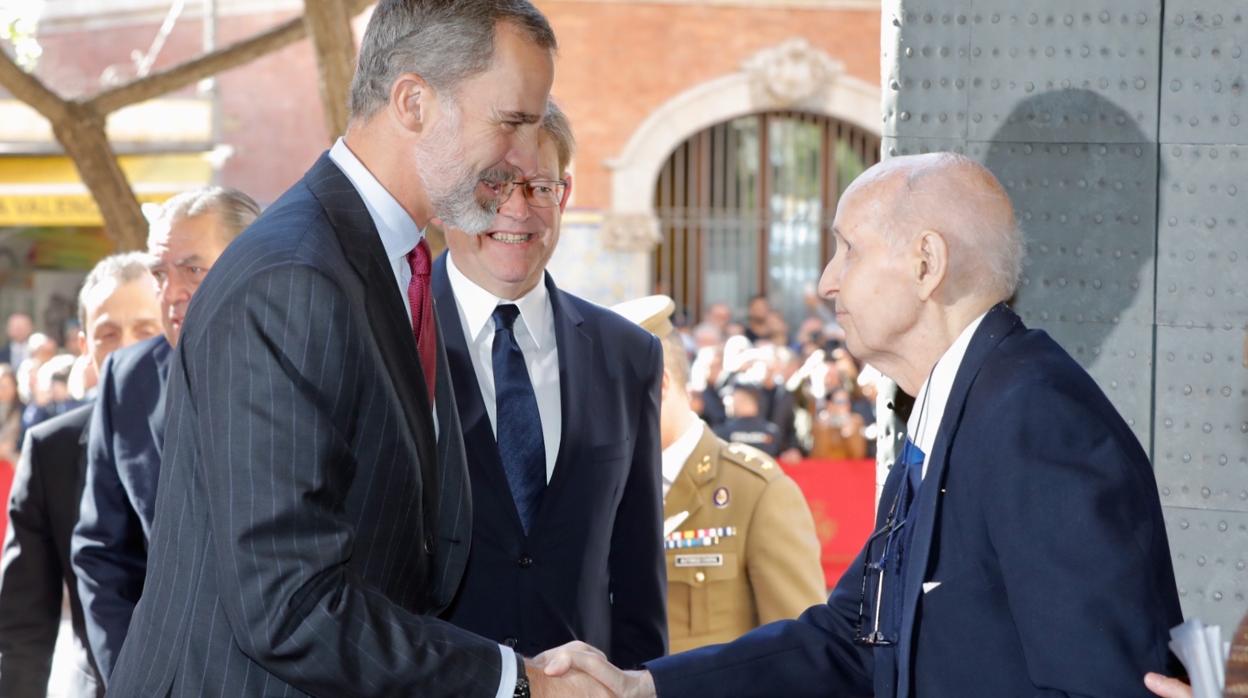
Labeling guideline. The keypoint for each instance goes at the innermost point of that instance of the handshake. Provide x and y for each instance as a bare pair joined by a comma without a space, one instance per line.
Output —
578,669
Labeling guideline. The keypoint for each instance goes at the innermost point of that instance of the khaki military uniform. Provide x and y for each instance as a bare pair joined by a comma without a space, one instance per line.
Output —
740,543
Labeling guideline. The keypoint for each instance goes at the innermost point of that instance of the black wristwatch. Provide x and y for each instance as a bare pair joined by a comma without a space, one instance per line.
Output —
522,679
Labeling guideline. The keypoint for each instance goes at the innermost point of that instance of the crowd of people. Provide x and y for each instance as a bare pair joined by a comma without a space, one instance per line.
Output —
791,394
350,468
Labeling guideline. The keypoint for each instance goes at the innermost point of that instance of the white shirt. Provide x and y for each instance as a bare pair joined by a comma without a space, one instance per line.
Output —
675,455
399,234
929,405
535,333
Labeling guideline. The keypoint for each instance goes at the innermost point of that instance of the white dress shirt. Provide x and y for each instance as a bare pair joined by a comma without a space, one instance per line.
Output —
929,405
399,234
675,455
535,333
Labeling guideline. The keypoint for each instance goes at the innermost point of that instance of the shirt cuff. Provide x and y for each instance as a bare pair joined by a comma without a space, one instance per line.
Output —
507,680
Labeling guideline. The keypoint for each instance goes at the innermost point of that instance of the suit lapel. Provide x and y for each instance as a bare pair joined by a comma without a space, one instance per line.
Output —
387,317
576,382
484,463
999,322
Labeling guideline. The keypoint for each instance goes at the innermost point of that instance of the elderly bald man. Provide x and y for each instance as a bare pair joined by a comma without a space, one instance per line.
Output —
1019,549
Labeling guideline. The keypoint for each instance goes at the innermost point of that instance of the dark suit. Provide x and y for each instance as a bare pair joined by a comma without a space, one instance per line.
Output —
1039,519
308,523
592,566
43,507
119,498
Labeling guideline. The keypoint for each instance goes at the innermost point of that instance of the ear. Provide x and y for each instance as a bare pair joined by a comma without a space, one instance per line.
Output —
563,203
82,342
411,100
931,262
663,387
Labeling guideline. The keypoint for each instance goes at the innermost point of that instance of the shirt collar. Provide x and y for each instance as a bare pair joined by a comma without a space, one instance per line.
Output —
675,455
477,305
929,404
399,233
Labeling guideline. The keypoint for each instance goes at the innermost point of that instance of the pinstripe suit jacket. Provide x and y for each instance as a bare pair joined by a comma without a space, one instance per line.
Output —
308,523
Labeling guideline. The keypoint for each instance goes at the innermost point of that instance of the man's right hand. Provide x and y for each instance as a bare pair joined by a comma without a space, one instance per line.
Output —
572,683
579,659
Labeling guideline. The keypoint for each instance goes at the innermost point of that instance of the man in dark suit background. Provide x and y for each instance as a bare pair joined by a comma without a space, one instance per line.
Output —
109,550
17,328
116,307
558,399
313,514
1020,547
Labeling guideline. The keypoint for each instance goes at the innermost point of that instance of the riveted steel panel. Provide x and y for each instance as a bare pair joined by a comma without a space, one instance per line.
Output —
1201,447
1064,70
1210,563
1204,93
1202,270
926,51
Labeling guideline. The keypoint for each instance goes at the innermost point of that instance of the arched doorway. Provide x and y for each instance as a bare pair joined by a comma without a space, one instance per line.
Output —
745,207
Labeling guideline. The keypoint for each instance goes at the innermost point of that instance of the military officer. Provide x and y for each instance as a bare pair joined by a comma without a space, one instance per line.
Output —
740,541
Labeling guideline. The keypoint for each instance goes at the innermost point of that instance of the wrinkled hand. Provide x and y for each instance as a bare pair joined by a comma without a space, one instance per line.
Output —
573,683
578,658
1167,687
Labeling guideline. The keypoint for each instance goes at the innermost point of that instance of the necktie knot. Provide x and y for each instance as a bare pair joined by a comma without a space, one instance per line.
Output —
418,259
505,316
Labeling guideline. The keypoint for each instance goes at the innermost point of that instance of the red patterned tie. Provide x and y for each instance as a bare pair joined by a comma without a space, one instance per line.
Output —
420,294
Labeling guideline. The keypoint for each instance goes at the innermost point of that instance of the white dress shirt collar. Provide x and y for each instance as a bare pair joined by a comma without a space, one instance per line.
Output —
477,306
399,233
929,404
675,455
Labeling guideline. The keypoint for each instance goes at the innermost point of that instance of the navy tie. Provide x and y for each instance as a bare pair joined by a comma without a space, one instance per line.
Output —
519,425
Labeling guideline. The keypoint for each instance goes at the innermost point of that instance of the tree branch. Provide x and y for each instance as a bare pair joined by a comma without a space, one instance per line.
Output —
209,64
31,90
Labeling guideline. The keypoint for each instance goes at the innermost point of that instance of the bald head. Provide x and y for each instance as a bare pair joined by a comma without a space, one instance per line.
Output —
961,200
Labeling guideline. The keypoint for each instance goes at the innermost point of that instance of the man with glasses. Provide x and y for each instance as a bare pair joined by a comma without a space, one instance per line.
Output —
1020,548
559,403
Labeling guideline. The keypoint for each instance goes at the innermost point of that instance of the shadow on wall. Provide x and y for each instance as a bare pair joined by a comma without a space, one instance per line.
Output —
1083,178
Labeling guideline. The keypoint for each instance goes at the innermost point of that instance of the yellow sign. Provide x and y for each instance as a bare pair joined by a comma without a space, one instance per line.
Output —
46,191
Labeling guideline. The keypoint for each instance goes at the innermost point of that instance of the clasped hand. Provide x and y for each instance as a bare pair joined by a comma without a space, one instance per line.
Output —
578,669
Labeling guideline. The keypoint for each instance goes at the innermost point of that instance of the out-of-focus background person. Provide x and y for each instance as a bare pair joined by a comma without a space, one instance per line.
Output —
117,307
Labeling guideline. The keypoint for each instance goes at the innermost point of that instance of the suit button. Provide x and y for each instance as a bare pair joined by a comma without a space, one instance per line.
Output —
511,642
526,561
699,577
428,545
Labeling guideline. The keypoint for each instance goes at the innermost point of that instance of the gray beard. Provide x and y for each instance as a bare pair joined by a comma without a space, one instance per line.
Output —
450,185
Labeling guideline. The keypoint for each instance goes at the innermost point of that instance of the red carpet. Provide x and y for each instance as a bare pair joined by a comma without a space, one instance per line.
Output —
841,494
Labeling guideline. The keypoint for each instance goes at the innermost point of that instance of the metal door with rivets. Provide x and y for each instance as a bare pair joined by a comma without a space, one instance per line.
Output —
1118,128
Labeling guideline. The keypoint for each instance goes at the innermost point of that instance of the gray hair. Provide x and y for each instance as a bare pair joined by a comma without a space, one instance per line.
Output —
234,209
117,270
675,360
442,41
556,125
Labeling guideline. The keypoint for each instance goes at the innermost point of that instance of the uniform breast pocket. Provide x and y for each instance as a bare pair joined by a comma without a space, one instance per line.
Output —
710,582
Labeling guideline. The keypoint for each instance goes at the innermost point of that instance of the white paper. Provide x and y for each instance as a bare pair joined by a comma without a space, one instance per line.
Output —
1201,650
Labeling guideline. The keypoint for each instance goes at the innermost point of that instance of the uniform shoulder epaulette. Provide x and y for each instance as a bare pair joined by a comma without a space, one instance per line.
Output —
752,460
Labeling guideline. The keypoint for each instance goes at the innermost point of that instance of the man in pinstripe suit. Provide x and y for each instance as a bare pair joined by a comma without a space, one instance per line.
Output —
313,513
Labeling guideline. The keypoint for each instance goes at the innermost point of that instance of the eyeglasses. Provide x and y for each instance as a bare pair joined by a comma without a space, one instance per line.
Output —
868,631
542,193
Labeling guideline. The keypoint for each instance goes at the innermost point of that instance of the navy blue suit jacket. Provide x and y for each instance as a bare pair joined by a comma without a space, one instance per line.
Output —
591,567
1040,521
310,521
119,497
